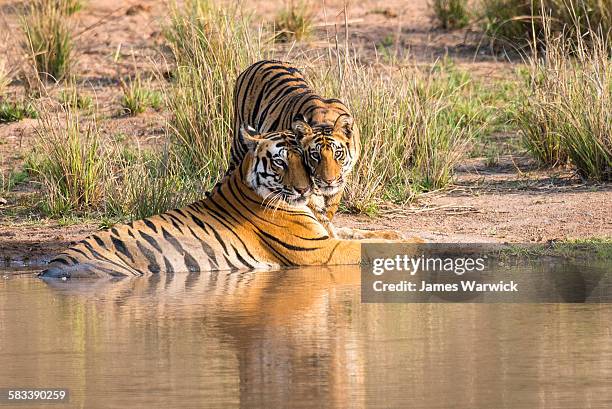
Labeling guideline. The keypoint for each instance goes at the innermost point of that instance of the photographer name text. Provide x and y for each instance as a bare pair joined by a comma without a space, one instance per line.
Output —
424,286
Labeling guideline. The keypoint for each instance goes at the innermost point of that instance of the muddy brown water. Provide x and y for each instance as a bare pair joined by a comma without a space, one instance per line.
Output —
297,338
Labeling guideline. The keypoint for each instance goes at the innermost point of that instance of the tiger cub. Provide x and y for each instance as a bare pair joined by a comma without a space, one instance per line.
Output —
256,218
273,96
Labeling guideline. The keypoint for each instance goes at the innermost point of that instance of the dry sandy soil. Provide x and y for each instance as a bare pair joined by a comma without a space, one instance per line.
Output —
513,201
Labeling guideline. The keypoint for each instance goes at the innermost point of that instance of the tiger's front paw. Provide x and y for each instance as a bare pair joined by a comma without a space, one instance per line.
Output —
414,239
358,234
387,235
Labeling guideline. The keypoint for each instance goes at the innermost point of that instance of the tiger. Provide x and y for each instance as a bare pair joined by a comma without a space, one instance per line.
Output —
272,95
257,218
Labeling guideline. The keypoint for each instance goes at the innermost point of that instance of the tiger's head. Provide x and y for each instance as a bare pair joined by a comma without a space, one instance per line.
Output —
274,167
330,151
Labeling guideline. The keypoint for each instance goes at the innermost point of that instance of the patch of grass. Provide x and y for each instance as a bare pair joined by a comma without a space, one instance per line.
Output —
21,210
211,45
69,6
137,97
5,78
519,22
451,13
48,39
386,50
492,158
568,113
16,111
71,97
13,179
295,22
71,164
537,125
120,137
591,240
386,42
85,175
148,184
482,105
509,20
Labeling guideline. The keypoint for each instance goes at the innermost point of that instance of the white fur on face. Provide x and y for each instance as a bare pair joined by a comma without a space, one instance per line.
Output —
264,179
260,177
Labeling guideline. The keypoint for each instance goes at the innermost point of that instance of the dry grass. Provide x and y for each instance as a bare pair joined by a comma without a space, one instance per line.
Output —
148,183
568,113
5,78
71,163
49,42
84,173
519,22
211,46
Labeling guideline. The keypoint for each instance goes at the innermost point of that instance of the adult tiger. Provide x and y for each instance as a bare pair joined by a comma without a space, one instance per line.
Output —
255,218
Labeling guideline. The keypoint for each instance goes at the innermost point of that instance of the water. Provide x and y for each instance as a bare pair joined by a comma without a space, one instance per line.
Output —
297,338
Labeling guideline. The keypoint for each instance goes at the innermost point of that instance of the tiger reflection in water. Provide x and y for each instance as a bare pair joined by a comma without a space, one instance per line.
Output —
276,330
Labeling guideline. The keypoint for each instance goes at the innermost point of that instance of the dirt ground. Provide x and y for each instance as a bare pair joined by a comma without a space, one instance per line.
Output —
513,201
504,204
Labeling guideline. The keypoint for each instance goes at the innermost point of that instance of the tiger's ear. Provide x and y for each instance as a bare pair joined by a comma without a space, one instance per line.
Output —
248,137
300,127
344,124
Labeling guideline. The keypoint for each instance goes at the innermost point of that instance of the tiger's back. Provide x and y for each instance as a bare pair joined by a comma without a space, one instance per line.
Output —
270,93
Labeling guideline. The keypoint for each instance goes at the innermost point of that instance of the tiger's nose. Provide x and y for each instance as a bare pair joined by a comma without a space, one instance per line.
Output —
302,190
329,181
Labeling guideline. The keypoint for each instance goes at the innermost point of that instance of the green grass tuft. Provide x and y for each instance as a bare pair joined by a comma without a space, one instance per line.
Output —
295,22
16,111
12,179
71,97
71,163
137,97
451,13
69,6
48,39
